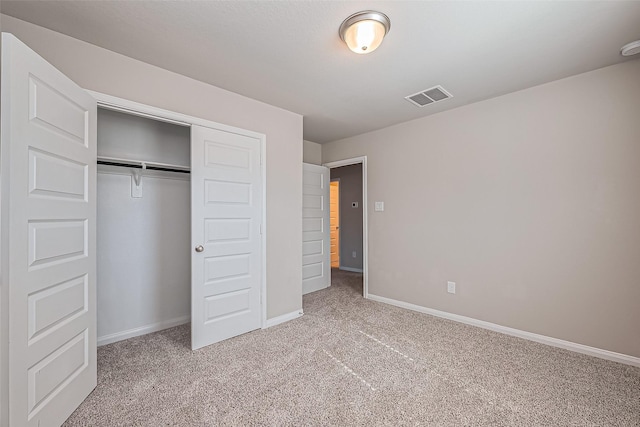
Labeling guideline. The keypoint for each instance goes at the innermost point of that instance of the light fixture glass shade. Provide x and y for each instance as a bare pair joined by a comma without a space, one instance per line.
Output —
630,49
364,36
363,31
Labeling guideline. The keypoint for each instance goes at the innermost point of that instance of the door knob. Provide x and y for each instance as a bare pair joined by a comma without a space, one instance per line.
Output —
199,248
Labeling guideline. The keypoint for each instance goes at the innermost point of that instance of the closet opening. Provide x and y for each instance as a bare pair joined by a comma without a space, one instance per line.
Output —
143,225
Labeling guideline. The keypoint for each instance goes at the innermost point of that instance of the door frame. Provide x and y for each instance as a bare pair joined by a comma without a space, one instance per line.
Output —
138,109
365,225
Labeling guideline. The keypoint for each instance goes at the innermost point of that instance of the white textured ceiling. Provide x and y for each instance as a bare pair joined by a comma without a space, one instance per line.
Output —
289,54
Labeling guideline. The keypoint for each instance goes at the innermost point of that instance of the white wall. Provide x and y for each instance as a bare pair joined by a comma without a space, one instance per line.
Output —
529,201
107,72
144,247
311,153
132,137
143,244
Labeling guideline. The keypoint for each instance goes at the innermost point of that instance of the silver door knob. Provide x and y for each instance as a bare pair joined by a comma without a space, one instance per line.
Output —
199,248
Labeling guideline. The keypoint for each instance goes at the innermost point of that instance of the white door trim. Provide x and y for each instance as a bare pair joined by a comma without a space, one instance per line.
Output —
136,108
365,208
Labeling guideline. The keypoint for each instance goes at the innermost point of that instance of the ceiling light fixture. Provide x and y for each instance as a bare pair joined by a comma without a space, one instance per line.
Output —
363,31
630,49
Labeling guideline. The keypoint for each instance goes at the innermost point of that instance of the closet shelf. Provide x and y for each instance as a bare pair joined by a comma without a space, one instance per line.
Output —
139,164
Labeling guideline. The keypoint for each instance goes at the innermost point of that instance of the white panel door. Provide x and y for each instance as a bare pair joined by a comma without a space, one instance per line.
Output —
48,238
226,216
316,255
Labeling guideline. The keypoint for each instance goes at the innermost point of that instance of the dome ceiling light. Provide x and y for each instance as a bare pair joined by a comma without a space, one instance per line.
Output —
363,31
630,49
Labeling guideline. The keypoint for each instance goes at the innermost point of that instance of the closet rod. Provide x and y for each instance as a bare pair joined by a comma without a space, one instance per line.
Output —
137,164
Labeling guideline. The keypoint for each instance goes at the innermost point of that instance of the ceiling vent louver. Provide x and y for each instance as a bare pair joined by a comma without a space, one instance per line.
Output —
428,96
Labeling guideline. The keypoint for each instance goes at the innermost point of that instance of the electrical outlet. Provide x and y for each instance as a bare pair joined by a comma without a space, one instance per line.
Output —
451,287
378,206
353,254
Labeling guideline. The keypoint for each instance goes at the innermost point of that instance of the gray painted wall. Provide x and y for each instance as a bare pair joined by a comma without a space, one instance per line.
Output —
529,202
350,218
311,153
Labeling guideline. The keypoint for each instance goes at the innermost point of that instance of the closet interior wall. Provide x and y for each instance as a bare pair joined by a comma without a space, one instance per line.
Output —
143,243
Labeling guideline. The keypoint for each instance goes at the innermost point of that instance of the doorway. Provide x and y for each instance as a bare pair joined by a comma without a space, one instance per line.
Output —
334,215
351,214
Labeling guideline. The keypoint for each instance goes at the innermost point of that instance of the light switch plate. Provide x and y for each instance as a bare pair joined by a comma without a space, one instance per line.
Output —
451,287
379,206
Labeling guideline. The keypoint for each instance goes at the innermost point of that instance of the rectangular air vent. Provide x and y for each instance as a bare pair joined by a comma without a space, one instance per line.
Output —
428,96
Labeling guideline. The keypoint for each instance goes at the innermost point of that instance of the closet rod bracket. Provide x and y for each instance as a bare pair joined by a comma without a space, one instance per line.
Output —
137,173
136,182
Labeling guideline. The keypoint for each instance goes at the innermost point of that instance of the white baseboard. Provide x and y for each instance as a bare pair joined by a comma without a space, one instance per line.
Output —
284,318
353,270
555,342
143,330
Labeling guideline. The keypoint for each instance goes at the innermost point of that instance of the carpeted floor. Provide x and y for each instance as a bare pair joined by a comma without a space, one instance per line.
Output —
350,361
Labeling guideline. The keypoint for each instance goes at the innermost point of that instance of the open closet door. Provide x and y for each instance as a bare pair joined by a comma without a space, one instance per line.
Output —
316,256
226,215
48,257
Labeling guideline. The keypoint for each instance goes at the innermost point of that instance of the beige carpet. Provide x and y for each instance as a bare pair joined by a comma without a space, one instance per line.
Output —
349,361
